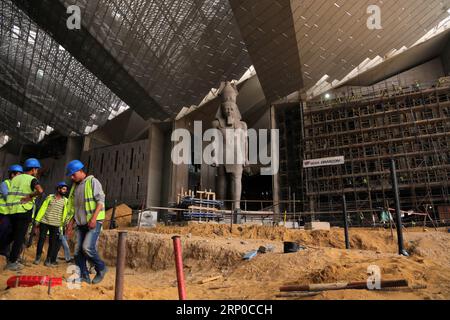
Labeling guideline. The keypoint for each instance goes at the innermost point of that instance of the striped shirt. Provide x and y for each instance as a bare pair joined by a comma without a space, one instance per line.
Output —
53,215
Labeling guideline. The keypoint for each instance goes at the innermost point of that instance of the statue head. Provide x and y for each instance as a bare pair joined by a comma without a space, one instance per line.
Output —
229,110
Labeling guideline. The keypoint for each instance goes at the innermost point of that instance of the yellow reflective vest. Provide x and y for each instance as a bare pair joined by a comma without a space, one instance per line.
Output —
3,208
89,202
44,207
20,187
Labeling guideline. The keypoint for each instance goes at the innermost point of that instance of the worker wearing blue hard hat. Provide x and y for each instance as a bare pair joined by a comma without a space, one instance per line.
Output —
24,189
50,219
73,167
5,225
87,213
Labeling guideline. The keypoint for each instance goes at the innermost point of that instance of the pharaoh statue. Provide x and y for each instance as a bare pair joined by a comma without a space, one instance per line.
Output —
228,120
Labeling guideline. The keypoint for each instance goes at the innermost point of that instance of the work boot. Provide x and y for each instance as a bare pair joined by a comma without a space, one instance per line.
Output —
37,260
49,264
100,275
14,266
71,260
86,279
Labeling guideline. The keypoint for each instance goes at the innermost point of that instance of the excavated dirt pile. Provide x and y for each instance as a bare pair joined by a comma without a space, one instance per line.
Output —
123,216
212,250
359,238
155,252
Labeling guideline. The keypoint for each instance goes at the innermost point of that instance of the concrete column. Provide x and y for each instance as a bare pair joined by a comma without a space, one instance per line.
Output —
86,144
180,174
74,148
446,59
275,178
155,166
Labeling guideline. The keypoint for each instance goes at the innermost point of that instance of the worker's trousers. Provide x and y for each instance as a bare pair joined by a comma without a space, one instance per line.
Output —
86,249
20,223
52,242
5,235
63,242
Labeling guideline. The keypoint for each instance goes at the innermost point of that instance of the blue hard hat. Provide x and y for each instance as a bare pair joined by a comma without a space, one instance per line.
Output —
32,163
15,168
73,167
62,184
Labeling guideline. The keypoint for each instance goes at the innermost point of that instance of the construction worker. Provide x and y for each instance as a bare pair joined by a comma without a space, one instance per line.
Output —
50,218
87,212
5,225
21,197
63,233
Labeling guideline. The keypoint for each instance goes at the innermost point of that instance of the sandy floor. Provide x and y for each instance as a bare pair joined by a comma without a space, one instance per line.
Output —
211,250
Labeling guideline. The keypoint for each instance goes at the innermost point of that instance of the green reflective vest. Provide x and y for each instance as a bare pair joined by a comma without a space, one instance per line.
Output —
3,207
89,202
44,207
20,187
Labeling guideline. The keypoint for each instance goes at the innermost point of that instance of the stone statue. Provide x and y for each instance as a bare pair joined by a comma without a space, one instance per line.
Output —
229,175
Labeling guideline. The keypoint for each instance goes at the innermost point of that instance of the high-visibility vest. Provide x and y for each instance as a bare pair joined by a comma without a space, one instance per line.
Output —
20,187
89,201
3,207
44,207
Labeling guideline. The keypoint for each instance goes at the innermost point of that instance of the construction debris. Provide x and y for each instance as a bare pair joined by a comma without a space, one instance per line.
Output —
324,226
292,247
266,249
344,286
297,295
250,255
207,280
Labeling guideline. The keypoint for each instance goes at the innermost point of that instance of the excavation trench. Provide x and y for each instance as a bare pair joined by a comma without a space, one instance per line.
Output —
147,251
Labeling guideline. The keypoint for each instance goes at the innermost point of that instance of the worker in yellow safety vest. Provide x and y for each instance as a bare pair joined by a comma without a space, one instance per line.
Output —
5,225
50,219
87,213
25,188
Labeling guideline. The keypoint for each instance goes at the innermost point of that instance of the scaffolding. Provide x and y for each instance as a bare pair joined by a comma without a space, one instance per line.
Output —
410,124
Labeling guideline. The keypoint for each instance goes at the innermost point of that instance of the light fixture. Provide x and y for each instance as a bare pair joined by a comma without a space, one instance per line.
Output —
327,96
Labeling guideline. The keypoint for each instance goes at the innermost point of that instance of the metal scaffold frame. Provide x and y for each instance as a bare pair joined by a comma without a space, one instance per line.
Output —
411,126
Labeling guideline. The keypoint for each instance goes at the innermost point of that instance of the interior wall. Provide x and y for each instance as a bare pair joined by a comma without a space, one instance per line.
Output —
122,170
52,173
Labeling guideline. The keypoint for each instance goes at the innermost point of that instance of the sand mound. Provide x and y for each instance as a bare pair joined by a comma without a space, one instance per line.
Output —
375,240
123,216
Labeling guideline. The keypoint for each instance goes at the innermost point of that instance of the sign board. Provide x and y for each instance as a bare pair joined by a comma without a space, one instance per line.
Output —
333,161
148,219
